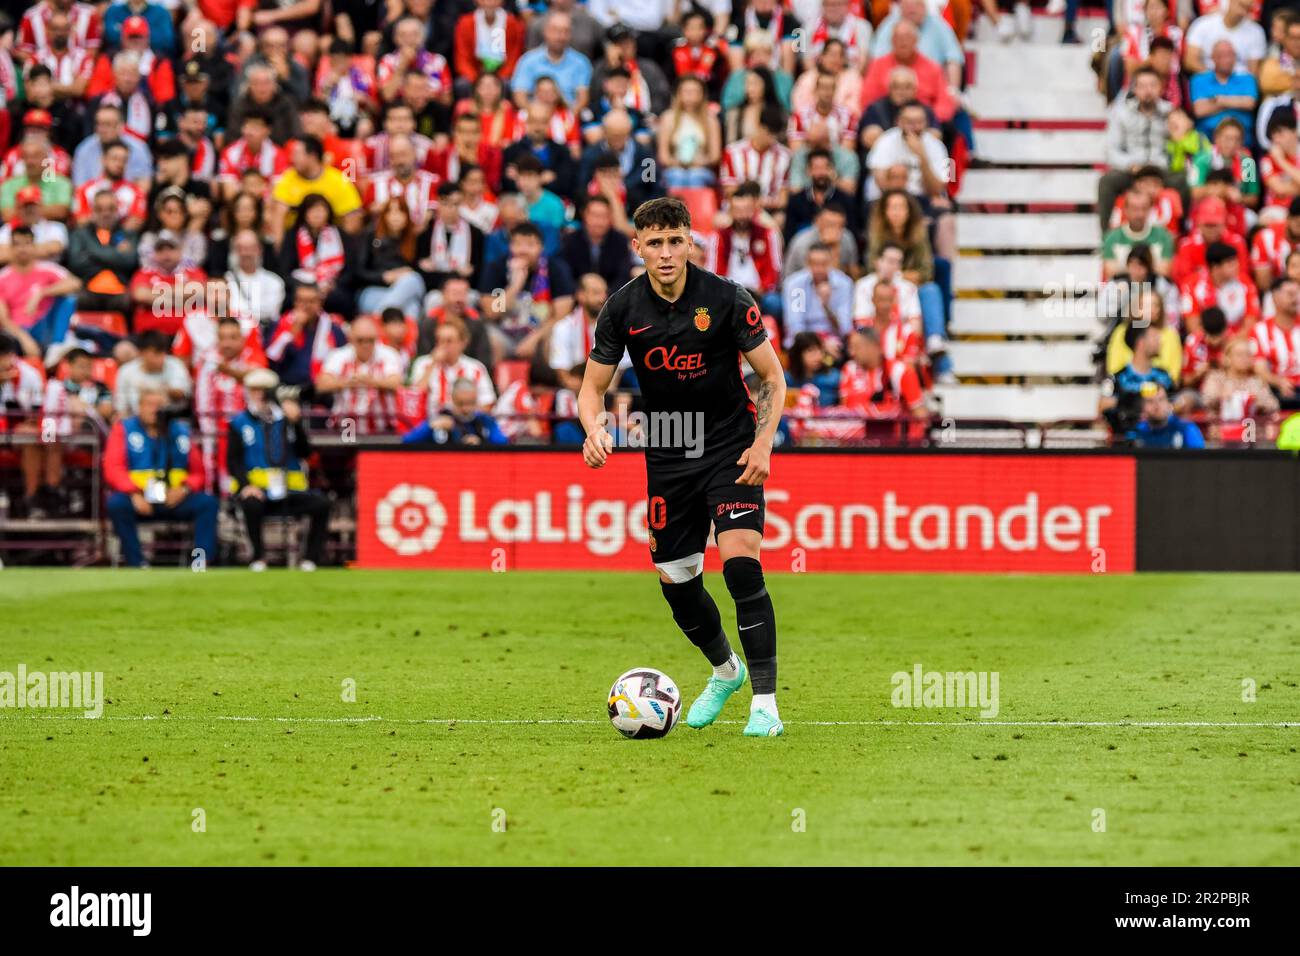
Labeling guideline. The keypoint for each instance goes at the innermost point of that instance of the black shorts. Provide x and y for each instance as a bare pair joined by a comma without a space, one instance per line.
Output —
684,498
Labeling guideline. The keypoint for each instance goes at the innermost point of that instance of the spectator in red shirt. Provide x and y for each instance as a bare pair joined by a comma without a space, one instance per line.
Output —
931,83
466,149
748,252
697,53
162,294
1224,284
225,13
1273,244
155,70
1211,226
1203,349
876,386
1275,343
489,40
130,198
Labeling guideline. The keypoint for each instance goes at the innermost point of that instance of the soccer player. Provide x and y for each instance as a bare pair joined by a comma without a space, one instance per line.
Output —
686,330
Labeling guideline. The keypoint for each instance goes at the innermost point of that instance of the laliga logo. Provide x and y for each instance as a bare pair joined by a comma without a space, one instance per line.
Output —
409,519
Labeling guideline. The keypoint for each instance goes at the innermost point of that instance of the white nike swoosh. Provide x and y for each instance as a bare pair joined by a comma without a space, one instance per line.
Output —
752,626
736,514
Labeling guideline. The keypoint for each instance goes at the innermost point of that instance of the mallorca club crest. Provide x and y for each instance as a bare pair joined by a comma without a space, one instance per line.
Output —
702,319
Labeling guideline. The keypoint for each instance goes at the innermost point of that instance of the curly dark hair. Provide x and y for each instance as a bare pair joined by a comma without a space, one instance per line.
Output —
667,212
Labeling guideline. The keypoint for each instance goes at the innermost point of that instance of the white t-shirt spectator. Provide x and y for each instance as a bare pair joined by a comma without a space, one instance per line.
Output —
571,339
891,150
443,377
58,396
258,296
638,14
132,377
905,297
373,410
1247,38
26,391
43,232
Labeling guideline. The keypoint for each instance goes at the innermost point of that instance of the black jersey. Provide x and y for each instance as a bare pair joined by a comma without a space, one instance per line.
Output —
687,353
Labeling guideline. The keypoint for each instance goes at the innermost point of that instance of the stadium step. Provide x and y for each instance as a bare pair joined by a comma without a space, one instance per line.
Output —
1050,187
1046,32
975,436
1047,359
1023,317
1052,66
1019,403
1035,105
1024,273
1051,167
1039,231
1036,147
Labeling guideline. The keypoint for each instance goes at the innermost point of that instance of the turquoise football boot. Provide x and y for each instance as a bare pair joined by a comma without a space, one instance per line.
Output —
763,724
709,704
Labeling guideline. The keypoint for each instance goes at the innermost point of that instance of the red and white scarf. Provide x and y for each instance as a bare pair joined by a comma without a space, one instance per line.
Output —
638,91
846,33
321,346
450,248
319,260
138,110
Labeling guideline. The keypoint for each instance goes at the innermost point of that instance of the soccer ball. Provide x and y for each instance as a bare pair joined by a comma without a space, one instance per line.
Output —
644,703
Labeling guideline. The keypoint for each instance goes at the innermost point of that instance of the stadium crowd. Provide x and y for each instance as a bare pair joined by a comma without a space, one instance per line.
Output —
232,224
1200,213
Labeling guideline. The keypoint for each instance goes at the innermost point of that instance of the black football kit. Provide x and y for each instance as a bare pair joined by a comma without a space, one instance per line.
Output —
687,360
687,357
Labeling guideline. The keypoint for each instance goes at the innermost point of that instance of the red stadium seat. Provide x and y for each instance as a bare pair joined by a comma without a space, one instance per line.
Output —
702,202
105,370
509,372
101,370
114,323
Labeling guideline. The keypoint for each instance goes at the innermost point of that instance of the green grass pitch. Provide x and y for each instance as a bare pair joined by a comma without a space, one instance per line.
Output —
458,664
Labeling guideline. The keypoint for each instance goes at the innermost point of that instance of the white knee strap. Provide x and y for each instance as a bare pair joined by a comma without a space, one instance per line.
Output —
683,569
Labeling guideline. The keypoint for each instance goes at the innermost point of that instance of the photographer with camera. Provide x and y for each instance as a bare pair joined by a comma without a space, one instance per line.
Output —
1122,394
266,452
1160,427
156,474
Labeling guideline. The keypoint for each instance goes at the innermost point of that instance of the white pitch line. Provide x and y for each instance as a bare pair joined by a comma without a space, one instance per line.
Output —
371,719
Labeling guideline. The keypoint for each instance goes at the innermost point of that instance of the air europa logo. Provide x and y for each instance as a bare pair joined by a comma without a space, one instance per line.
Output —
672,360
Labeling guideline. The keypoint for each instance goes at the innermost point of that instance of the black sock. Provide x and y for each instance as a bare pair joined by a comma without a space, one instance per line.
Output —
698,617
755,619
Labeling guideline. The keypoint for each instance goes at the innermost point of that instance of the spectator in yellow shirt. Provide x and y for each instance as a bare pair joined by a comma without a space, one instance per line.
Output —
1151,310
309,175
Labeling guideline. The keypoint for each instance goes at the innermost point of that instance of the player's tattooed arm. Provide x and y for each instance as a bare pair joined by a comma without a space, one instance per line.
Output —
768,404
763,404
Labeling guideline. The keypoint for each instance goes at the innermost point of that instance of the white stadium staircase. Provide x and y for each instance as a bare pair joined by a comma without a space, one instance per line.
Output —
1027,228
